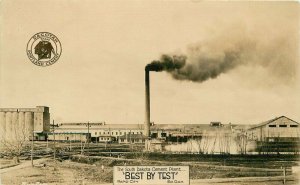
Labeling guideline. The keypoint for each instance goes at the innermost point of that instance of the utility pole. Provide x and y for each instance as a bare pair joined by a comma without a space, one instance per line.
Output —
88,136
70,145
284,175
110,140
32,147
53,127
81,147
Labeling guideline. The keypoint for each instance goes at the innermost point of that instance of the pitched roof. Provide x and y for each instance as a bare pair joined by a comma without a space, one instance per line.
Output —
270,121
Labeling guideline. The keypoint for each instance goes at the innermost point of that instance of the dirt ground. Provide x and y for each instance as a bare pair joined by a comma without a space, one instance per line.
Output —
55,172
68,172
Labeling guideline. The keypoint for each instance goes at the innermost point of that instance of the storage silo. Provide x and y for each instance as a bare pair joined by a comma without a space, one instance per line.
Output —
15,124
2,125
21,124
29,122
8,123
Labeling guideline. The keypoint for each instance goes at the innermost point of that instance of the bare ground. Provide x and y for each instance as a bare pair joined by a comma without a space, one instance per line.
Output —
68,172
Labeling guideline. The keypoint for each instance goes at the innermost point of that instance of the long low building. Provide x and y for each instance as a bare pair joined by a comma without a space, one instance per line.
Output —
102,132
94,131
277,135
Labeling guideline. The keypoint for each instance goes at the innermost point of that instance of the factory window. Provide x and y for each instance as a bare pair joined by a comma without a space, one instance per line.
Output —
272,125
99,133
141,132
108,132
95,133
282,125
120,133
163,134
122,140
103,132
112,133
293,125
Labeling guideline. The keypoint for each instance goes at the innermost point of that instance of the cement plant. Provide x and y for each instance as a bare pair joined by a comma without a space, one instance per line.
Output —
215,152
165,92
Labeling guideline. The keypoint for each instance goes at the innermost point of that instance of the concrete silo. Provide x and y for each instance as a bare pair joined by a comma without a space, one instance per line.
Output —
2,125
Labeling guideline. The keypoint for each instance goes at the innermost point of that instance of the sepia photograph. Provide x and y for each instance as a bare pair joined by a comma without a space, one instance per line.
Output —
163,92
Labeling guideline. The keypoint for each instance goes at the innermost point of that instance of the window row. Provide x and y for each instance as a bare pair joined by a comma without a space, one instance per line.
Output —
104,139
117,133
283,125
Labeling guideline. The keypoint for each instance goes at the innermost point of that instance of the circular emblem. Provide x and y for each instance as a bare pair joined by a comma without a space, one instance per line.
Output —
43,49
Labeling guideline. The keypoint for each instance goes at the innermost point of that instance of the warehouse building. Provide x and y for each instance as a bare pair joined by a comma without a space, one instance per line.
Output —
277,135
22,122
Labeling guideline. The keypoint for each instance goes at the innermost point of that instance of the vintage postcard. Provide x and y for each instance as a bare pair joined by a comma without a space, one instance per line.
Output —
164,92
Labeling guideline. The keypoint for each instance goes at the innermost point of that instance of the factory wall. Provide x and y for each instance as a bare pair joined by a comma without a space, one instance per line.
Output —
16,123
279,135
114,132
68,137
282,127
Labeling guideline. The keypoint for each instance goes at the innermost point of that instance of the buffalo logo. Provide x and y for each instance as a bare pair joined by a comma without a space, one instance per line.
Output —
47,49
43,49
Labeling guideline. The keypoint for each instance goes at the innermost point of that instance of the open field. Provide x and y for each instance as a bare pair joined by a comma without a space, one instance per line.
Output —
69,172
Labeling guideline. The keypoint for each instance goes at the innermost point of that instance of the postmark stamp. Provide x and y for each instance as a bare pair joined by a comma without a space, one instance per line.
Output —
43,49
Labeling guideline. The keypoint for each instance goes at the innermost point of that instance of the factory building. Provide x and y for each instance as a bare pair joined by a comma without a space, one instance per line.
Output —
134,133
22,122
95,132
278,135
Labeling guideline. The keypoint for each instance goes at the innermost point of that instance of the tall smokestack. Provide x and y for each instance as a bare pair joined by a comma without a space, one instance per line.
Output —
147,110
168,64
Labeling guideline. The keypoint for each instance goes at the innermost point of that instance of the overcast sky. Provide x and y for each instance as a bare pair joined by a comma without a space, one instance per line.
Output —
106,45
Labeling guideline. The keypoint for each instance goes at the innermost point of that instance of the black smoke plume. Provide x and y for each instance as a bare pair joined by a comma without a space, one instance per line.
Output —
209,59
167,63
200,68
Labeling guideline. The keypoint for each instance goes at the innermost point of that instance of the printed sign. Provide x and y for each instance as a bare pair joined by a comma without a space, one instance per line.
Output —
151,175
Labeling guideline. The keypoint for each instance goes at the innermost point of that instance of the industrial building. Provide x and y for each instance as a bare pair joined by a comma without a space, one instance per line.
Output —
94,131
23,122
278,135
133,133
